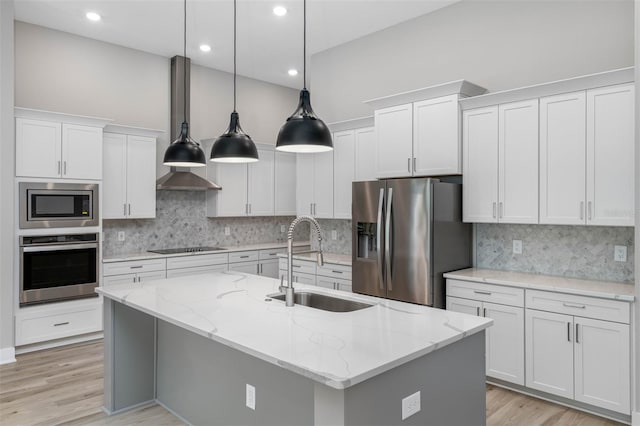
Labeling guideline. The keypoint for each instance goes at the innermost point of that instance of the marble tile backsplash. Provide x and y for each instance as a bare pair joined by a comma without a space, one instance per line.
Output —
572,251
181,221
342,243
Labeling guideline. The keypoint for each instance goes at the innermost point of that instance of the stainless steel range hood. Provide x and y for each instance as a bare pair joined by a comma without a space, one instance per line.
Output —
179,180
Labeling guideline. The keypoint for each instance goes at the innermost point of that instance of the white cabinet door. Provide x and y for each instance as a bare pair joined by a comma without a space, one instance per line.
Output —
610,154
518,162
232,198
303,279
269,268
119,279
285,184
465,306
325,282
186,272
480,175
151,276
114,178
343,172
562,159
260,180
436,140
365,154
394,141
81,152
305,165
141,177
246,267
549,352
602,364
323,185
38,148
505,342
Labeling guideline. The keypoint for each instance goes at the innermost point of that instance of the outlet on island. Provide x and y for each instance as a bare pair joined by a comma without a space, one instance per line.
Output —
227,230
410,405
251,397
121,236
517,246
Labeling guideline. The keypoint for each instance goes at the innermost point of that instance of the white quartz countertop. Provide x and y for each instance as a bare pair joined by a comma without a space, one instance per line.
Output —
336,259
337,349
120,257
602,289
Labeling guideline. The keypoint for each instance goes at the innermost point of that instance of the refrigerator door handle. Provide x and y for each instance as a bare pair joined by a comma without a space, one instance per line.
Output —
379,239
387,241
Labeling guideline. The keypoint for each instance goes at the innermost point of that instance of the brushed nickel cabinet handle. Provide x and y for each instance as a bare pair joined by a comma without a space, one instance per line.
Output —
124,206
337,272
129,209
581,210
414,164
409,165
494,209
589,210
486,293
136,267
570,305
478,311
568,331
484,312
65,167
59,167
577,338
61,323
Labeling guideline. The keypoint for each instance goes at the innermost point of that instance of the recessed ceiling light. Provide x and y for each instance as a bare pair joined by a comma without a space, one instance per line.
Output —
279,10
205,48
293,72
93,16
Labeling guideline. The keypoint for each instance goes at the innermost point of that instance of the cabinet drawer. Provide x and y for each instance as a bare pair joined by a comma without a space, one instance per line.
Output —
197,260
309,279
134,266
300,266
333,283
272,253
173,273
335,271
56,325
580,306
244,256
503,295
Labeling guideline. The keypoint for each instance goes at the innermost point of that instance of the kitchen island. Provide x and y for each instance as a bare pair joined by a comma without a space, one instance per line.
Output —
193,344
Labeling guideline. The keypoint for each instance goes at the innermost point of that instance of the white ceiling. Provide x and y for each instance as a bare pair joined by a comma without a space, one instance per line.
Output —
268,45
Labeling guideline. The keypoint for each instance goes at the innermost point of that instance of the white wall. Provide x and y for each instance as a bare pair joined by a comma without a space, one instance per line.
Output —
7,155
496,44
58,71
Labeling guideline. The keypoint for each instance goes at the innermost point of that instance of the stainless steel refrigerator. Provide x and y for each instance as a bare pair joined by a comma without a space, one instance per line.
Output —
406,233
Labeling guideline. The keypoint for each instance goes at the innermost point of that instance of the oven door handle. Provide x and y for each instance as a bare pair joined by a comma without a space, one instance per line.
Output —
32,249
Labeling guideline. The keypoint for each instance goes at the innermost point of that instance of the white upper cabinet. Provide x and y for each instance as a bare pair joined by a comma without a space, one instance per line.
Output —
129,180
610,154
314,186
58,150
343,172
562,159
285,184
365,154
518,162
436,137
247,189
480,153
418,132
394,136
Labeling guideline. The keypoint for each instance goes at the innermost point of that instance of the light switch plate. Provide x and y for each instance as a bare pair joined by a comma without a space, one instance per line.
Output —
620,253
121,236
410,405
334,234
283,229
227,230
517,246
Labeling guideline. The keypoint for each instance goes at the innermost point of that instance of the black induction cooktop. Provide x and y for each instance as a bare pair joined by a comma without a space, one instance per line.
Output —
185,250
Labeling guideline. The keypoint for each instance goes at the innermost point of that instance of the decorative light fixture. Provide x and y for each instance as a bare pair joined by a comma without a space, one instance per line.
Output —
93,16
234,145
184,151
304,131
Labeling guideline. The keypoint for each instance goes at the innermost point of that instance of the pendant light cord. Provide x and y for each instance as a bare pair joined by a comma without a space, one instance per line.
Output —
234,54
304,43
184,62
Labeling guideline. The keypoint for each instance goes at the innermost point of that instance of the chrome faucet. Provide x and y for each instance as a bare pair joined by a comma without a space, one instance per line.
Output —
288,289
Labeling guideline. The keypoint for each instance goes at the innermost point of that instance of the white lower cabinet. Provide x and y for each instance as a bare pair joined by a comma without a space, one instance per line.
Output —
579,358
330,275
195,270
504,340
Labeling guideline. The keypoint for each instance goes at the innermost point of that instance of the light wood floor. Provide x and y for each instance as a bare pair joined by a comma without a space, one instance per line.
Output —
64,386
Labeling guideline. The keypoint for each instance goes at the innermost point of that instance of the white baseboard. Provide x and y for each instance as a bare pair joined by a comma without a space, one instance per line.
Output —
635,418
59,342
7,355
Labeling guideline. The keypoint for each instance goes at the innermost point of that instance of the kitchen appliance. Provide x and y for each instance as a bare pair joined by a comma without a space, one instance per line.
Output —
58,267
58,205
406,234
185,250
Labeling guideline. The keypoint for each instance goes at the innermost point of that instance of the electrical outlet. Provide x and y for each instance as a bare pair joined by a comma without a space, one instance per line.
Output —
251,397
334,234
517,246
120,235
227,230
620,253
283,229
410,405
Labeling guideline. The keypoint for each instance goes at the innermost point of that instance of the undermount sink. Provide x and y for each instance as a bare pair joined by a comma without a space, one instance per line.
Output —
324,302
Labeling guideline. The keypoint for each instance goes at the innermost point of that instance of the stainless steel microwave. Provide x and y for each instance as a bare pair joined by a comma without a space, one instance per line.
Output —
58,205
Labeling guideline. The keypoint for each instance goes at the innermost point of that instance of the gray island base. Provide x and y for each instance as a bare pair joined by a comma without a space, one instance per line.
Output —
204,381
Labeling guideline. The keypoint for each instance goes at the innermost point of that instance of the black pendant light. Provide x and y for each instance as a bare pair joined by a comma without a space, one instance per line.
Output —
184,151
234,145
304,131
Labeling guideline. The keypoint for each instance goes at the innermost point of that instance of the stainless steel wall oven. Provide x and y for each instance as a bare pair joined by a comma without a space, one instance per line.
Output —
58,205
58,267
